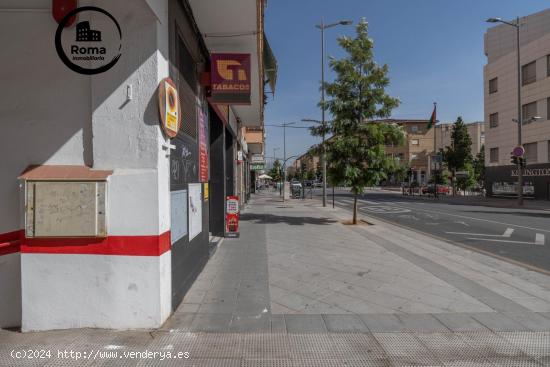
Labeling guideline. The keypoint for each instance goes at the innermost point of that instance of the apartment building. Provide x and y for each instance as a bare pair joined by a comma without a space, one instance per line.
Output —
306,163
476,130
500,94
418,147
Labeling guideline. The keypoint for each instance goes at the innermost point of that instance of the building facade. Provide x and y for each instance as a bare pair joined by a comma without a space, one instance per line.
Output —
476,130
105,218
500,91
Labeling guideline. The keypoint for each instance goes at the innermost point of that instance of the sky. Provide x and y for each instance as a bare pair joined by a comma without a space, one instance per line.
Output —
434,50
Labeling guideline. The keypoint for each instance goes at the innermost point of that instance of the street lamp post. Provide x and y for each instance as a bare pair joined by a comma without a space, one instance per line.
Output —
322,27
520,118
284,126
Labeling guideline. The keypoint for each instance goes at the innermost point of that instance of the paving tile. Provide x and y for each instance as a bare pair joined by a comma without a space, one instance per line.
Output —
251,324
531,320
383,323
278,324
460,322
305,324
422,323
211,322
496,321
344,323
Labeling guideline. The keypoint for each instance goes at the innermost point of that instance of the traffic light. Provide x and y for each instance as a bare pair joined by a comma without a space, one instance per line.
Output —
522,162
514,160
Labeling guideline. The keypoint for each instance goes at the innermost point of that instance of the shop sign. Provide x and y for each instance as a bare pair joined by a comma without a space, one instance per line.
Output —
230,78
258,166
203,149
232,216
532,172
257,158
206,193
169,107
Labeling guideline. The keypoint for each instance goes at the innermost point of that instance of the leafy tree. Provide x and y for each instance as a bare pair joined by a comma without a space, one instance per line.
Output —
275,172
466,183
479,167
459,154
356,97
311,174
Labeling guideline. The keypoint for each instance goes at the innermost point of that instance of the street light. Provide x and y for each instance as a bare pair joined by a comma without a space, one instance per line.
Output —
519,118
322,27
284,126
323,158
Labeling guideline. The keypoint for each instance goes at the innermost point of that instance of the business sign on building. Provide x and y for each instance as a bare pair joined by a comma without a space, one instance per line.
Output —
258,166
257,158
230,78
203,149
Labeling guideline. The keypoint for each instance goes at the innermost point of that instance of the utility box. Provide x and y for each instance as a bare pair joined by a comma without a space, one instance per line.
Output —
64,201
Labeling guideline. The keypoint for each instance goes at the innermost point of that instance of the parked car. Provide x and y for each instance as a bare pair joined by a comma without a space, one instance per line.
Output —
441,190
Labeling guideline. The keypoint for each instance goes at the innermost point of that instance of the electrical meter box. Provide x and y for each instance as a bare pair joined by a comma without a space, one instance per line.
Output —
65,209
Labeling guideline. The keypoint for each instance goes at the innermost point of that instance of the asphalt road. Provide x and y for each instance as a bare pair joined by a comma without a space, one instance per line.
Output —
517,234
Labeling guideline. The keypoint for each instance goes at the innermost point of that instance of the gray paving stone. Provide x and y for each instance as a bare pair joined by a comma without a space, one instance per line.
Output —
305,324
278,324
422,323
344,323
531,320
383,323
179,321
498,321
211,322
251,324
460,322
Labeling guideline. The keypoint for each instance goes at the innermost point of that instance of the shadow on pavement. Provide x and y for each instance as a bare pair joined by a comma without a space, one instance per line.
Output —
293,221
524,214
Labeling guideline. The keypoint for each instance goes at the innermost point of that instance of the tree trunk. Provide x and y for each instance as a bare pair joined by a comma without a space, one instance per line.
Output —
354,209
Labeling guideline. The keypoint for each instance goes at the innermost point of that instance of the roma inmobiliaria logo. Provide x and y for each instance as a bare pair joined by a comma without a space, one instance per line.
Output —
93,45
230,78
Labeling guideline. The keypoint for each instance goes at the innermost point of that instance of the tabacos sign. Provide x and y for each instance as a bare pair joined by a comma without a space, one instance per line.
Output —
230,78
93,45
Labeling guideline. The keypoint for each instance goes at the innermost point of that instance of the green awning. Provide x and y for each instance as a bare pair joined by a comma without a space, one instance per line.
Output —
270,65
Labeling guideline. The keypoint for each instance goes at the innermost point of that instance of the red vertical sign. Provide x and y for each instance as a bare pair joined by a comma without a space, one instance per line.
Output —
203,149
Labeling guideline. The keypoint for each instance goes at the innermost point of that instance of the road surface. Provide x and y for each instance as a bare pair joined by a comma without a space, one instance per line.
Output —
519,235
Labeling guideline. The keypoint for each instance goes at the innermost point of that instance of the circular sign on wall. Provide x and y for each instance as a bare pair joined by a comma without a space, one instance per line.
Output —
94,45
169,107
518,151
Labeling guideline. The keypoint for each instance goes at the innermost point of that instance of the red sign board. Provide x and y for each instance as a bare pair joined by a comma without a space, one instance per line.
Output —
230,78
203,150
232,216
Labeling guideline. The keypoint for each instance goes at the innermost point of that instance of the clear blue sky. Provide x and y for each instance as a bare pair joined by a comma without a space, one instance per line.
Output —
434,49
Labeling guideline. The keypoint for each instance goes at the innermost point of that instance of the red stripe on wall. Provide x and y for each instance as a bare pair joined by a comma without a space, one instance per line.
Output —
112,245
10,242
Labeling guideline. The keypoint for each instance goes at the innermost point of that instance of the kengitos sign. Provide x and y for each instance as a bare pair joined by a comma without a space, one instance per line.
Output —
230,78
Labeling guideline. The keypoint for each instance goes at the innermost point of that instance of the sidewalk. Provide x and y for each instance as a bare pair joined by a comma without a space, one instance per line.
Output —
298,288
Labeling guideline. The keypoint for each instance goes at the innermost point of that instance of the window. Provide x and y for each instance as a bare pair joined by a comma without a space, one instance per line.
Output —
529,73
493,120
414,156
414,142
414,128
530,152
529,111
493,155
493,85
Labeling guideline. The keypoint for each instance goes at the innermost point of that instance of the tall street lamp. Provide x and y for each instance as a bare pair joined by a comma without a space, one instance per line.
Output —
322,27
284,126
519,119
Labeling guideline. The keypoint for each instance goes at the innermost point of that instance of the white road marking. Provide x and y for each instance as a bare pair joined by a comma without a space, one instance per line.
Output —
538,240
479,219
385,209
463,223
507,234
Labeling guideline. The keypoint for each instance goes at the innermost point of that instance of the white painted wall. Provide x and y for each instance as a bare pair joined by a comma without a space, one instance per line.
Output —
114,292
51,115
10,290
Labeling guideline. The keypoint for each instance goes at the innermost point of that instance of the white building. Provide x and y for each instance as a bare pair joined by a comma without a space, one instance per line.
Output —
500,90
105,220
